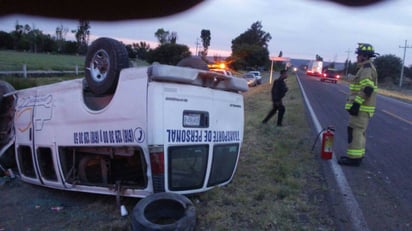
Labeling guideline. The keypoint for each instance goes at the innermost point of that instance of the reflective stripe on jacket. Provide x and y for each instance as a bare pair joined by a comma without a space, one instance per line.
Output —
366,76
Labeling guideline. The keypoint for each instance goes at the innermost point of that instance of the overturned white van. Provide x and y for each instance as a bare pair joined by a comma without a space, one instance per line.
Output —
160,128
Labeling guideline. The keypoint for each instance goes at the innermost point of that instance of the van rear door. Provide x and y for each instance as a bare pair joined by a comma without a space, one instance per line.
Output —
201,130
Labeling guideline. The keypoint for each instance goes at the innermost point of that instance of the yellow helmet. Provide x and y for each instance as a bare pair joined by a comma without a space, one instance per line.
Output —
366,49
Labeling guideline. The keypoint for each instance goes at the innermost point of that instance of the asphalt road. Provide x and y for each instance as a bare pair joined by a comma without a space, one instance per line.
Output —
382,185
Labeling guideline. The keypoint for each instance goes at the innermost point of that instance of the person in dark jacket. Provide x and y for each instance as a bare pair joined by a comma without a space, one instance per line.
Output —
279,90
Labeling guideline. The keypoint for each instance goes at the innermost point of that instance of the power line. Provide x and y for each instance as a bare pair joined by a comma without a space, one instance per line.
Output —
403,61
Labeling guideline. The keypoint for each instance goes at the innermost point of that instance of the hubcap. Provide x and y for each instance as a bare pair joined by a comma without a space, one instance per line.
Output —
100,66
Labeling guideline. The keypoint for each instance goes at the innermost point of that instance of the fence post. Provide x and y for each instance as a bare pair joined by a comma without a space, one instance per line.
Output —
77,70
24,70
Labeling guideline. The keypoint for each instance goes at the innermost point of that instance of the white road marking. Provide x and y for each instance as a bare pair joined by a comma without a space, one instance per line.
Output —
398,117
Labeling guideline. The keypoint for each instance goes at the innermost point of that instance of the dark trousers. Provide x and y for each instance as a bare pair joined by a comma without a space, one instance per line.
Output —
277,106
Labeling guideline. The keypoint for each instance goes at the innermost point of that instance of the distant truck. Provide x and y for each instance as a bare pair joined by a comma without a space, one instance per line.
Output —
315,68
126,131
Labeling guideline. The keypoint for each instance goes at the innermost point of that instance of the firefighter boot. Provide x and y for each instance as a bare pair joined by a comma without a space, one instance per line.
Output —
344,160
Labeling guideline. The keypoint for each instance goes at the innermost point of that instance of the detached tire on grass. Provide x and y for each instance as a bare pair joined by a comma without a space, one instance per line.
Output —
105,59
164,212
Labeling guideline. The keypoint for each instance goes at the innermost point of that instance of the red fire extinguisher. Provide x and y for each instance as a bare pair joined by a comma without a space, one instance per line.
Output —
327,143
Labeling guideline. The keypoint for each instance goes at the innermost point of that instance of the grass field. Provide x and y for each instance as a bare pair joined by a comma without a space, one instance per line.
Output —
13,61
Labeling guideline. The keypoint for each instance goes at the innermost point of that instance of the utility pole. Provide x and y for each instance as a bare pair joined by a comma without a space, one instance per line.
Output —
197,45
403,61
347,63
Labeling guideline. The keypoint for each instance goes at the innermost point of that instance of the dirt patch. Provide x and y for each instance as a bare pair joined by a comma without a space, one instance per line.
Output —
29,207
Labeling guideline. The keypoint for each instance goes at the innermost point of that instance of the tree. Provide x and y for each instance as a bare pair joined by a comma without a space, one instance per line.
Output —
70,47
82,36
20,38
130,51
61,37
408,72
168,53
162,35
141,49
206,37
35,37
279,64
172,37
388,68
6,40
30,39
250,49
20,29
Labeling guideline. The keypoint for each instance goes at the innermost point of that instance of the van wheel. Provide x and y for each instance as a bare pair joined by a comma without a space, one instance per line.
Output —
105,59
164,212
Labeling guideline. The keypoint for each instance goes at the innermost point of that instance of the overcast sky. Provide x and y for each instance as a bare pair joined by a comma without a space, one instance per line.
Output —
299,28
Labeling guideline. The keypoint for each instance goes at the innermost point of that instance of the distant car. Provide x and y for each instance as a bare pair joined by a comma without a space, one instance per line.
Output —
315,68
222,71
330,75
257,75
251,79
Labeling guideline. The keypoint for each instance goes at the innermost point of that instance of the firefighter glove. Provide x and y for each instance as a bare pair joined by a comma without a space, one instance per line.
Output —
354,110
368,91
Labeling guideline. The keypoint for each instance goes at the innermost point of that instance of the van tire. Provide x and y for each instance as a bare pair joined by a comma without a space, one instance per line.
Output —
164,212
105,59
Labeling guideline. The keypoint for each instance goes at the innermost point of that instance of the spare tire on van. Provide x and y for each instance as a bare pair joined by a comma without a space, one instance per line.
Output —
105,59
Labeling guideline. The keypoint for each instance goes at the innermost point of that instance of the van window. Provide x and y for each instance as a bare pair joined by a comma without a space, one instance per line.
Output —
45,160
187,166
223,163
26,161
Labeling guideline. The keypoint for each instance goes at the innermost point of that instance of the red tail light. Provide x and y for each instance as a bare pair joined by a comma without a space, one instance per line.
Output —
337,76
157,160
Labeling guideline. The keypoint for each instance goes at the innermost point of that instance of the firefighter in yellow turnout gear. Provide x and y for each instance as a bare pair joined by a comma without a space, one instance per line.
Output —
360,104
